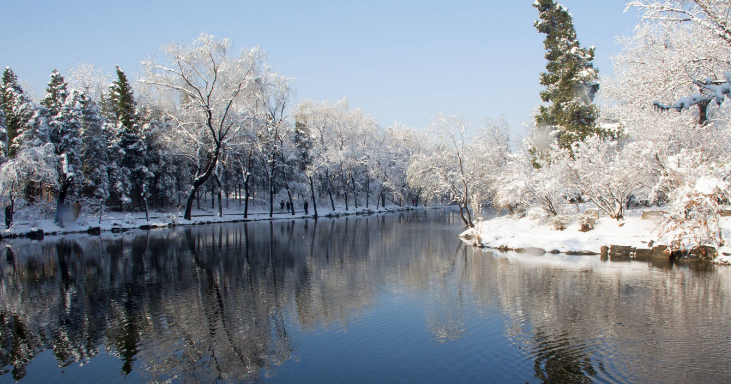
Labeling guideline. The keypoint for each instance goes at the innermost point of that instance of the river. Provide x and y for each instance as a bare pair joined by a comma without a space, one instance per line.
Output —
369,299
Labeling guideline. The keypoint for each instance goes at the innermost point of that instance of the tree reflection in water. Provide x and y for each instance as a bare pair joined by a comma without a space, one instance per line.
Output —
232,303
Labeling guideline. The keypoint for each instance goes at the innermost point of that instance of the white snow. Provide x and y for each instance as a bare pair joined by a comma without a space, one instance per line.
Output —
26,222
527,232
709,185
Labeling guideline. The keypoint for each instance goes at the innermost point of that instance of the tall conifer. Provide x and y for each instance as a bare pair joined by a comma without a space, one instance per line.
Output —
570,79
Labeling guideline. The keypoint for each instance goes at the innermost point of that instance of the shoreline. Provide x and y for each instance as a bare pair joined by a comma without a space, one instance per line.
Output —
634,237
117,222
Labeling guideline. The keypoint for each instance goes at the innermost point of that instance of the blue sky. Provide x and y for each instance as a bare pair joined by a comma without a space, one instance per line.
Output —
397,60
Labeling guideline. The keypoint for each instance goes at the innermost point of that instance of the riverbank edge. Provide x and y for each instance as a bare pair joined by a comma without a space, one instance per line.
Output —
47,227
633,238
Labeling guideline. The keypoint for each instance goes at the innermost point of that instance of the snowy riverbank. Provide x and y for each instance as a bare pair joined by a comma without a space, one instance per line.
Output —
30,224
526,232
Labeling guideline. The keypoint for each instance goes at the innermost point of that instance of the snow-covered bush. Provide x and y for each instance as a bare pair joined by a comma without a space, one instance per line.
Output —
560,222
529,181
586,222
607,172
694,218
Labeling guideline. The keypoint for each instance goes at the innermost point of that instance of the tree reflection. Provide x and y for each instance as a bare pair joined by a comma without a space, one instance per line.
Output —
227,302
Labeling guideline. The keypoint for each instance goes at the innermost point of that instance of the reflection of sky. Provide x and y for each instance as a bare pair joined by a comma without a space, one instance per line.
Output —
395,298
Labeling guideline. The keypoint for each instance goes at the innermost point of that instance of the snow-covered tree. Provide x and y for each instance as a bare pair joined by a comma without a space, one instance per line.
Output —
608,172
211,86
130,175
570,79
96,139
31,167
451,167
3,135
17,108
90,80
529,181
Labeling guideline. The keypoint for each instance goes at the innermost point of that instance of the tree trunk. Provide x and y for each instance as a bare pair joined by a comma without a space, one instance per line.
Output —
329,190
60,208
345,190
286,186
703,112
368,189
355,195
314,202
197,183
101,209
246,196
271,195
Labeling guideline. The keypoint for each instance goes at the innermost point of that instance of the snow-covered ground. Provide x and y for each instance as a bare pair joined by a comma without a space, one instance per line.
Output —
27,221
526,232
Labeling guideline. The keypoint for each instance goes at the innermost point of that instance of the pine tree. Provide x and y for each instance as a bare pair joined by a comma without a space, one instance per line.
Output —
131,174
17,108
94,152
122,103
570,79
3,135
56,93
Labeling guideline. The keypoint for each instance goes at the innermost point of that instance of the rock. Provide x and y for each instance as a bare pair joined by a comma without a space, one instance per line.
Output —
146,226
660,252
643,254
652,215
650,243
36,235
94,231
555,251
581,253
724,212
704,252
621,252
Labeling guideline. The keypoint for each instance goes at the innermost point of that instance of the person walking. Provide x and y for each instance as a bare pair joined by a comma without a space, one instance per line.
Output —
281,205
306,207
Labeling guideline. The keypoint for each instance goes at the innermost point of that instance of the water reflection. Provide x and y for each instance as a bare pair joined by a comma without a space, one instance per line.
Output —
246,302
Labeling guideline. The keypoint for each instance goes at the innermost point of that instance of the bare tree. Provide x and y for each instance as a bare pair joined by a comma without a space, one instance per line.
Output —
211,105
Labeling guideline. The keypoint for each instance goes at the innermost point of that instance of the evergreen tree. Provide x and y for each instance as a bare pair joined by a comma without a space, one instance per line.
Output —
17,108
56,93
570,79
94,152
122,103
3,135
131,175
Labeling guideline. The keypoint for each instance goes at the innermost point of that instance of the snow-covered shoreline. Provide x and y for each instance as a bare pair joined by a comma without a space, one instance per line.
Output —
124,221
508,232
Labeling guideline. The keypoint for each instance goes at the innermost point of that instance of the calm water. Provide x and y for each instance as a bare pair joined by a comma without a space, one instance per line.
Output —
393,298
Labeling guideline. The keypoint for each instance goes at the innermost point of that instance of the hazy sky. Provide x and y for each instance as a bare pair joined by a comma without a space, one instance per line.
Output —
397,60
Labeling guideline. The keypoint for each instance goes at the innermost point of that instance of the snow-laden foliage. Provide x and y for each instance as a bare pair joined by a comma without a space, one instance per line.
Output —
677,59
529,181
30,167
694,219
464,171
609,172
213,95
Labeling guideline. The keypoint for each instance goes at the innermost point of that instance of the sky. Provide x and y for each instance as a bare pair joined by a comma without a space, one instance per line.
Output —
399,61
